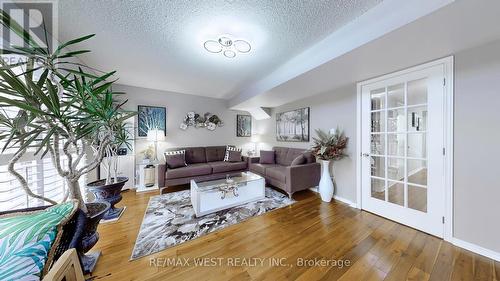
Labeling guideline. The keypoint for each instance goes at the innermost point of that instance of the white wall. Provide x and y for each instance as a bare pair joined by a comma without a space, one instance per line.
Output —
477,146
327,111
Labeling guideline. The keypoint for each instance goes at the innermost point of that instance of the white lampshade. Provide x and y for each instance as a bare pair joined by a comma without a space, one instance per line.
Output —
156,135
255,138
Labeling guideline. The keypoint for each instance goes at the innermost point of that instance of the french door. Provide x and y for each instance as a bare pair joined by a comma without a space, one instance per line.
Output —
402,144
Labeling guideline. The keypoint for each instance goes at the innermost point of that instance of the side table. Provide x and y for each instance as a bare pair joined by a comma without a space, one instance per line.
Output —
146,176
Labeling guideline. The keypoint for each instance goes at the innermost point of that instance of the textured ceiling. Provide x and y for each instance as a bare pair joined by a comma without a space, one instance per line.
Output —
158,44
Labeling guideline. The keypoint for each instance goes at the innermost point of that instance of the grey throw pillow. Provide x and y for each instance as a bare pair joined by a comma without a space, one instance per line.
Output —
228,149
267,157
299,160
234,156
175,159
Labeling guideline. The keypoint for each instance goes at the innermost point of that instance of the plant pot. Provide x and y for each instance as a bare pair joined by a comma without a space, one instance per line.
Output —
89,235
326,183
110,193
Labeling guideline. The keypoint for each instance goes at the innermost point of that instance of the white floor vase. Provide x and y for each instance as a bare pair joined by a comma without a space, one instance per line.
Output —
326,183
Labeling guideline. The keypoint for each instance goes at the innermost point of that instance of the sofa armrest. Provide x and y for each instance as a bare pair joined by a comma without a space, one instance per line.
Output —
246,160
162,169
301,177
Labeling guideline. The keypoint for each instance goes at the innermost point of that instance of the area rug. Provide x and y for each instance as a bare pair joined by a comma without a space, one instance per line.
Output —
170,220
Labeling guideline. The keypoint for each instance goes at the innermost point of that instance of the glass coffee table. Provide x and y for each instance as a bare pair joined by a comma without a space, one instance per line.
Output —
212,196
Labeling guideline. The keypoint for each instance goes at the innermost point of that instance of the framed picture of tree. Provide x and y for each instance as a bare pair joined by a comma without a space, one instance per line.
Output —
149,118
243,125
293,126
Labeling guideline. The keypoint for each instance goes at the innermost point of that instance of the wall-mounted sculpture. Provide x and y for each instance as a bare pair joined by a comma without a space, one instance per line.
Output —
208,120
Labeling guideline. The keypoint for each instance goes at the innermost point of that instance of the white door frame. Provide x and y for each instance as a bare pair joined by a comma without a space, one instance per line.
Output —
448,63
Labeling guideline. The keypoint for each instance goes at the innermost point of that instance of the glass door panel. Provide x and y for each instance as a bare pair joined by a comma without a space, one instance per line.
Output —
396,169
378,121
378,144
396,144
396,121
378,189
396,192
417,198
396,96
417,171
417,119
417,92
417,147
378,99
378,167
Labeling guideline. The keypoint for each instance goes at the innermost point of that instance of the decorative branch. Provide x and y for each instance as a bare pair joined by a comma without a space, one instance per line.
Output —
95,162
68,155
81,153
55,154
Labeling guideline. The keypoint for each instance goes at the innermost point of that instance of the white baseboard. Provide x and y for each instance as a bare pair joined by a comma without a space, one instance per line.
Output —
476,249
338,198
346,201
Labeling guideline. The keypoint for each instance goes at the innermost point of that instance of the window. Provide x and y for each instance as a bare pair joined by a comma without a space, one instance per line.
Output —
42,178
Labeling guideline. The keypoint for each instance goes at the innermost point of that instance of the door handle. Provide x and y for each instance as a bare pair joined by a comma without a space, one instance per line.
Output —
365,155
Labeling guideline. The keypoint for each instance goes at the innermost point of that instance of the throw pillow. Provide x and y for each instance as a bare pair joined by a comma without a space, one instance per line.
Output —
267,157
175,159
234,156
28,241
230,148
299,160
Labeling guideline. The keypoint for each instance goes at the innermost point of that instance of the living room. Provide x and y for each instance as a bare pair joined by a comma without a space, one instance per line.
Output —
249,140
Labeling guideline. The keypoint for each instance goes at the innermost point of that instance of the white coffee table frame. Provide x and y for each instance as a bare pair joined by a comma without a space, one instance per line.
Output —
206,197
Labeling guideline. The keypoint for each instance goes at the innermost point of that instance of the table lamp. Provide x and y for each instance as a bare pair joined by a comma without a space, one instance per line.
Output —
255,140
156,135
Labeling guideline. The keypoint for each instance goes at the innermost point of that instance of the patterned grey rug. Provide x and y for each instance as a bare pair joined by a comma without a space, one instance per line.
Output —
170,220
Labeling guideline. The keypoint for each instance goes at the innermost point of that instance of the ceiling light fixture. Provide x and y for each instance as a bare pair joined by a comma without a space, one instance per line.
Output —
227,46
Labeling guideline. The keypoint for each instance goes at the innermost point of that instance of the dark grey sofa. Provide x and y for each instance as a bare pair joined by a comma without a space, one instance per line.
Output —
286,177
203,163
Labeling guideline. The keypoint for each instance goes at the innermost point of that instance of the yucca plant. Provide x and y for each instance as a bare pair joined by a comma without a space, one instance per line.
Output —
65,108
121,138
328,146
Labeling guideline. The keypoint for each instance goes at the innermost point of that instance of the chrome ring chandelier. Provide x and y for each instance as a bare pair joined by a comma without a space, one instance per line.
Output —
227,46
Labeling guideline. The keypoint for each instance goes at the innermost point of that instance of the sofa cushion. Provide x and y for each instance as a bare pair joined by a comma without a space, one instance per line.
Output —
28,241
277,172
175,159
285,155
299,160
191,170
234,156
260,168
195,155
267,157
224,166
215,153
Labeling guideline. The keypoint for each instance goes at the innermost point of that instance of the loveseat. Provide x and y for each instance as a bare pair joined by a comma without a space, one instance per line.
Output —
202,164
282,174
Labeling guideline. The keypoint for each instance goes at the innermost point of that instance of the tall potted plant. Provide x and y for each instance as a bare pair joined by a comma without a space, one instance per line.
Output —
328,147
64,110
109,188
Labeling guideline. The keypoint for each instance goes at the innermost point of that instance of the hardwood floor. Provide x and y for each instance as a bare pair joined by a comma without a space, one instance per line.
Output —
374,247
